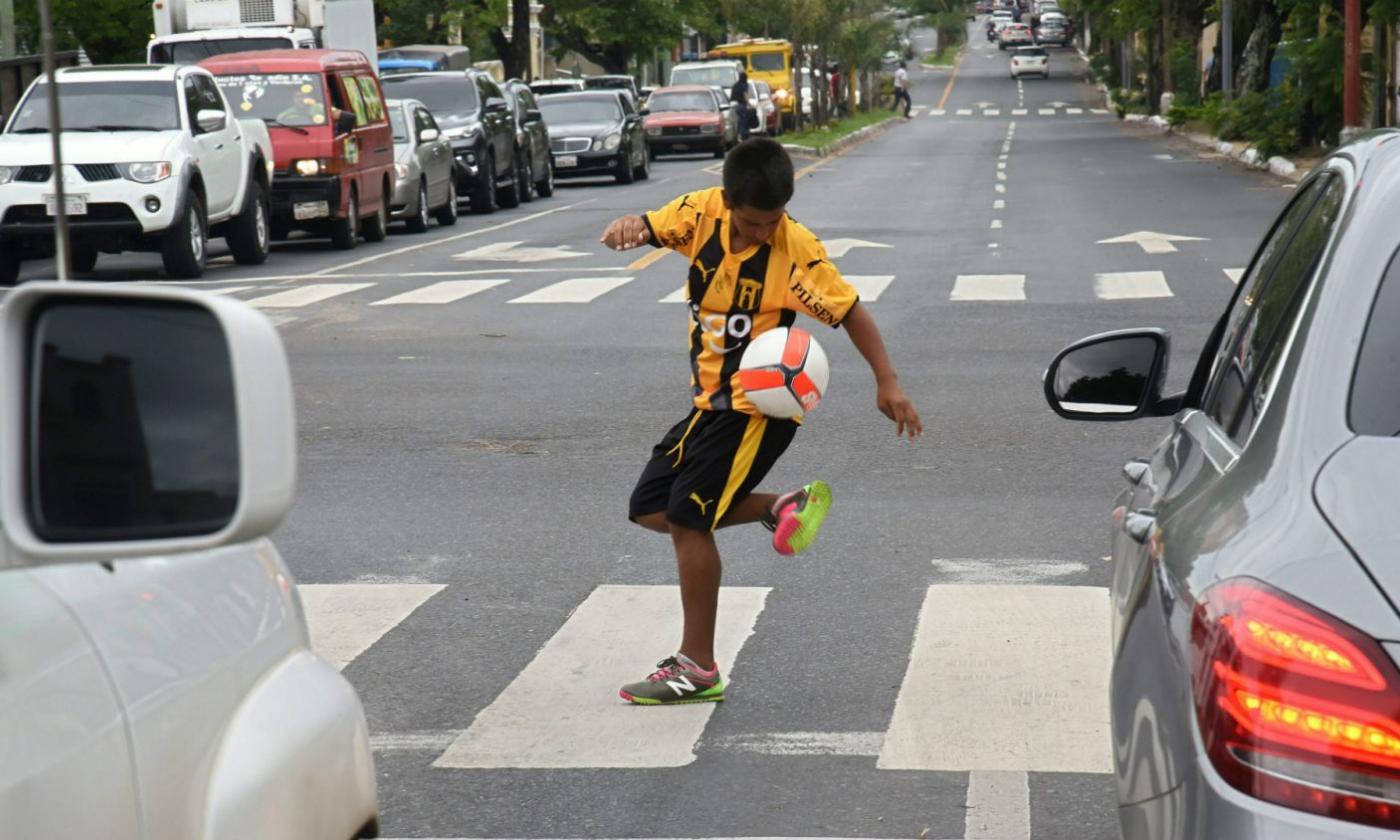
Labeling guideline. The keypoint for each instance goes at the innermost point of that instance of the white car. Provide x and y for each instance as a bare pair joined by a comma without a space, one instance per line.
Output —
158,682
153,160
1030,61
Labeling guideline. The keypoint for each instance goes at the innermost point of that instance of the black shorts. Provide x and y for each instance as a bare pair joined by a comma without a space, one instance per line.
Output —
708,462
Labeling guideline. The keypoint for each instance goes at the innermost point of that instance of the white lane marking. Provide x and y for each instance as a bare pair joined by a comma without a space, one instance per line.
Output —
281,319
1234,274
1006,147
651,838
1001,176
993,245
607,642
964,112
413,741
1127,285
1098,110
999,204
1162,157
869,286
1018,112
512,252
307,295
991,112
335,269
678,296
1150,241
1011,127
1005,570
345,619
1001,164
230,290
838,248
445,291
916,110
984,694
1047,112
989,286
574,290
996,224
1074,111
805,743
937,112
1001,188
998,806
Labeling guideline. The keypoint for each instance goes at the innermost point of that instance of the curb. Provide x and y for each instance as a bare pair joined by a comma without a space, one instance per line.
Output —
1243,154
843,143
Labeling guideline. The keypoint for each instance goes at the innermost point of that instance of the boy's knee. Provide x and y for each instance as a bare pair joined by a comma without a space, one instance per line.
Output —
653,522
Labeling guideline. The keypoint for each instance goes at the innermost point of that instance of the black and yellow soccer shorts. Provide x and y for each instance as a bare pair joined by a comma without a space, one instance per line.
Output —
706,464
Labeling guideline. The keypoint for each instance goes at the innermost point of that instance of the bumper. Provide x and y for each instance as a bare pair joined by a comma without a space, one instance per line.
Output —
682,144
292,191
467,169
116,208
587,163
405,203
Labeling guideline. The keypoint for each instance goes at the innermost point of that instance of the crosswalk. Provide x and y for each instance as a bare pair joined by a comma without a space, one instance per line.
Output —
1013,112
1004,287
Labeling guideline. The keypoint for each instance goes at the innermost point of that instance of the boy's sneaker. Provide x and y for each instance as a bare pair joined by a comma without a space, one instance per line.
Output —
673,684
798,517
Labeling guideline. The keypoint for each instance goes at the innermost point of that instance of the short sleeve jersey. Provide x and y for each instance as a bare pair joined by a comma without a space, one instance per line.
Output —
734,297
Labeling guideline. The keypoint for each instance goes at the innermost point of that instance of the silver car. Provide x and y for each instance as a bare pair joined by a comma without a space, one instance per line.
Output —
1254,690
423,161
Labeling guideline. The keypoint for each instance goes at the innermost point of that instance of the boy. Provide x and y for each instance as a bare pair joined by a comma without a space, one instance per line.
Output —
752,268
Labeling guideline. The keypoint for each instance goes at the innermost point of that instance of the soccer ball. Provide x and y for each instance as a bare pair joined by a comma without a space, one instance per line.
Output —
784,372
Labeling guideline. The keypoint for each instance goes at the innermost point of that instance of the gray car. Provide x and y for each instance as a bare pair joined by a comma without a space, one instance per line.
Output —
1254,690
423,161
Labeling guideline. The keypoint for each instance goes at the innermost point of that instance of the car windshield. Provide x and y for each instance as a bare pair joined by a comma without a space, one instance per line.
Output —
722,75
291,99
452,99
102,106
605,82
546,89
564,111
193,52
397,124
691,101
766,62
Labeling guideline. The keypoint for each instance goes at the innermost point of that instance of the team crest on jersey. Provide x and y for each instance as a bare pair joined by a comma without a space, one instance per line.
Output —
747,296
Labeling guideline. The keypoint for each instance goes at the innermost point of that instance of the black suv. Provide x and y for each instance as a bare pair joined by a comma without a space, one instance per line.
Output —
535,172
476,117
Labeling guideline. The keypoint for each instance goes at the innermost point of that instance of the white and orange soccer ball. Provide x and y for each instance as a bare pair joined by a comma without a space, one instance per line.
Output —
784,372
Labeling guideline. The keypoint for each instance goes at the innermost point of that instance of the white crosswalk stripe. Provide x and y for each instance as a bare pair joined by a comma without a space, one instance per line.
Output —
345,619
1074,111
869,286
964,112
574,290
1126,285
1234,274
989,287
447,291
307,295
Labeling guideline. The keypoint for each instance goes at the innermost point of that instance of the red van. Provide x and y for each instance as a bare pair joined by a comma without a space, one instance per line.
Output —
330,135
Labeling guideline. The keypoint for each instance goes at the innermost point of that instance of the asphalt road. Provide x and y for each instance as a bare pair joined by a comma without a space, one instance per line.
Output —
932,668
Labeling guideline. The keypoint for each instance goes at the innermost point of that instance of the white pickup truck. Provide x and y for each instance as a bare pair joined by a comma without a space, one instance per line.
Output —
153,160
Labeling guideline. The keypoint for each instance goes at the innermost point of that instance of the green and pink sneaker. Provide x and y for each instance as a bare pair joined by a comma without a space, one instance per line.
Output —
798,518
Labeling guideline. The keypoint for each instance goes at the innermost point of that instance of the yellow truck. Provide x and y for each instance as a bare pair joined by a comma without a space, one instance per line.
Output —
765,60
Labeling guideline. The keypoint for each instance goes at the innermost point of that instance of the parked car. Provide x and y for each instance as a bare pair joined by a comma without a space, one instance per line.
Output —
1254,691
1052,32
1014,35
1030,61
545,87
596,133
771,121
687,119
158,675
535,165
473,112
421,58
163,163
427,181
330,133
614,81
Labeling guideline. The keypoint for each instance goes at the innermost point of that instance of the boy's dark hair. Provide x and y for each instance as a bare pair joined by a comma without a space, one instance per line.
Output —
758,174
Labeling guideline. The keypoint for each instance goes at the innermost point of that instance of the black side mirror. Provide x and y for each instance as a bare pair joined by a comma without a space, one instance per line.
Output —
344,122
1111,376
534,115
495,104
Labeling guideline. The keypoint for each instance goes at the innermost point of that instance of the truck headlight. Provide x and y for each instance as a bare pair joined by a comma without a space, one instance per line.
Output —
612,141
147,173
312,166
7,173
709,128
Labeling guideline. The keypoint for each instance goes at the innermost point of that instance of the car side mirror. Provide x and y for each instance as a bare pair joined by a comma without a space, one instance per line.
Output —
644,111
1111,376
428,135
209,120
495,104
138,422
534,115
344,122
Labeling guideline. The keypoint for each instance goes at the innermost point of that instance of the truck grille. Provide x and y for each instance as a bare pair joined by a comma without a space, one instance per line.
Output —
98,171
570,145
257,11
34,174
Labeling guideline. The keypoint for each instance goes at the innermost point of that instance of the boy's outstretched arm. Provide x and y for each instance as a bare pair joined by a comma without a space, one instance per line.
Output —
625,233
889,397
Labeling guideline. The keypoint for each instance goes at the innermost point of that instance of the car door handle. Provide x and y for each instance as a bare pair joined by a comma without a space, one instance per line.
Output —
381,149
1139,525
1135,471
218,147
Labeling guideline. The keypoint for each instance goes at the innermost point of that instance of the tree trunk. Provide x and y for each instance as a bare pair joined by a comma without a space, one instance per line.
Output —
1154,69
1253,76
520,39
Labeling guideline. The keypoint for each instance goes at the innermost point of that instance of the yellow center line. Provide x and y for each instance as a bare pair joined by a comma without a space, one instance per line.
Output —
948,90
643,262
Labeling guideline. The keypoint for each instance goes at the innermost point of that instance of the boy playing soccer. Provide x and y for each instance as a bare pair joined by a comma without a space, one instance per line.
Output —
752,268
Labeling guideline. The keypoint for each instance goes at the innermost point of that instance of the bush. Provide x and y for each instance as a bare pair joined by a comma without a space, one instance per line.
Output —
1186,78
1099,67
1268,120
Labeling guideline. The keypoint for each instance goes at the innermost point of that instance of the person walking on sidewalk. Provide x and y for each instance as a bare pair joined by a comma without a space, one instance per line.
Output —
901,89
752,268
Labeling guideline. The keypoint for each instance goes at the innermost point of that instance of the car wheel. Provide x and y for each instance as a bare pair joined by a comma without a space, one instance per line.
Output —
644,170
250,236
378,226
509,196
720,150
9,266
525,180
545,185
345,233
484,196
418,222
185,247
84,259
651,151
447,213
626,174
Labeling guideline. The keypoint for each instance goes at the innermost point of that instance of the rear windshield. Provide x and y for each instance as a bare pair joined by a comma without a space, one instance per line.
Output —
766,62
1034,52
1375,399
286,98
722,75
193,52
564,111
546,89
102,106
691,101
452,99
606,83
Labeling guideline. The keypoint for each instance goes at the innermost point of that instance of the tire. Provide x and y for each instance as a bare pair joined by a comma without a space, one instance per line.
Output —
545,186
418,222
377,228
720,151
510,196
484,196
249,235
84,259
525,180
447,213
9,264
651,151
345,233
625,173
184,249
643,172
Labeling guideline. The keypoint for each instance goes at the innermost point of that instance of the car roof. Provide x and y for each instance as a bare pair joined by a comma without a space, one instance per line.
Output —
611,94
444,75
283,61
111,72
683,89
445,49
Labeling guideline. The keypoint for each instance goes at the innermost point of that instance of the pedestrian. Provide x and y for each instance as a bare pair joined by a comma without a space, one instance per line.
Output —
752,268
739,95
901,89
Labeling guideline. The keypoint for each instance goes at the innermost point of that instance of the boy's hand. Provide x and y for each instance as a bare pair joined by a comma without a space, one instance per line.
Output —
626,233
894,404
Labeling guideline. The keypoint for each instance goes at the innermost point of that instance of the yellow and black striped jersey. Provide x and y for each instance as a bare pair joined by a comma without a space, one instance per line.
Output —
734,297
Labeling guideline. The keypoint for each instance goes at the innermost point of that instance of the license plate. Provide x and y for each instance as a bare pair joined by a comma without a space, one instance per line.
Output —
310,210
73,205
566,161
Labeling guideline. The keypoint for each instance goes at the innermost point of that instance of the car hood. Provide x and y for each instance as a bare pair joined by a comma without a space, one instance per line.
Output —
583,129
682,117
88,147
1355,490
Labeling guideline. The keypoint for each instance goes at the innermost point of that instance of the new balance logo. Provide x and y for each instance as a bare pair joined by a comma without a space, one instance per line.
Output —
681,685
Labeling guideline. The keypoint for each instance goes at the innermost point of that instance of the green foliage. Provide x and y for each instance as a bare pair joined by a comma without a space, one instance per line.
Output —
613,33
951,27
111,31
1269,121
1185,76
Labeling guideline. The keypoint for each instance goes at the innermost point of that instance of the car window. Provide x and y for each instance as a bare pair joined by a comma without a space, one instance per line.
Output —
374,106
1375,401
488,88
527,99
1258,345
423,120
397,129
357,102
208,94
191,103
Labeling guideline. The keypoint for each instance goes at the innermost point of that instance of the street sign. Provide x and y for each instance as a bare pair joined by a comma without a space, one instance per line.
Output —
1152,243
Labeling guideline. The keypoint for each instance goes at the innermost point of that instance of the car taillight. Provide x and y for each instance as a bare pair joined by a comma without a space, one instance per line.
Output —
1296,707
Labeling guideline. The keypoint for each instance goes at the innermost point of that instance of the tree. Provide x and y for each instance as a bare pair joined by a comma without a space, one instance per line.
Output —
613,33
111,31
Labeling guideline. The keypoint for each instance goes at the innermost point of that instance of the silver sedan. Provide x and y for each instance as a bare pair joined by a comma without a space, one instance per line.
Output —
423,161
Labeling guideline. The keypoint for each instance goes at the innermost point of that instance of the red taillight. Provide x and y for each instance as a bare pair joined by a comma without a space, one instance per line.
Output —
1295,706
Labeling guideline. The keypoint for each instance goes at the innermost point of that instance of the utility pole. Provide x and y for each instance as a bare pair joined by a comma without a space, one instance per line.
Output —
55,136
1227,49
1351,72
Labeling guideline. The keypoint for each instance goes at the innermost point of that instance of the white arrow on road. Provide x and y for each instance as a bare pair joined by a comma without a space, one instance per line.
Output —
837,248
511,252
1152,243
